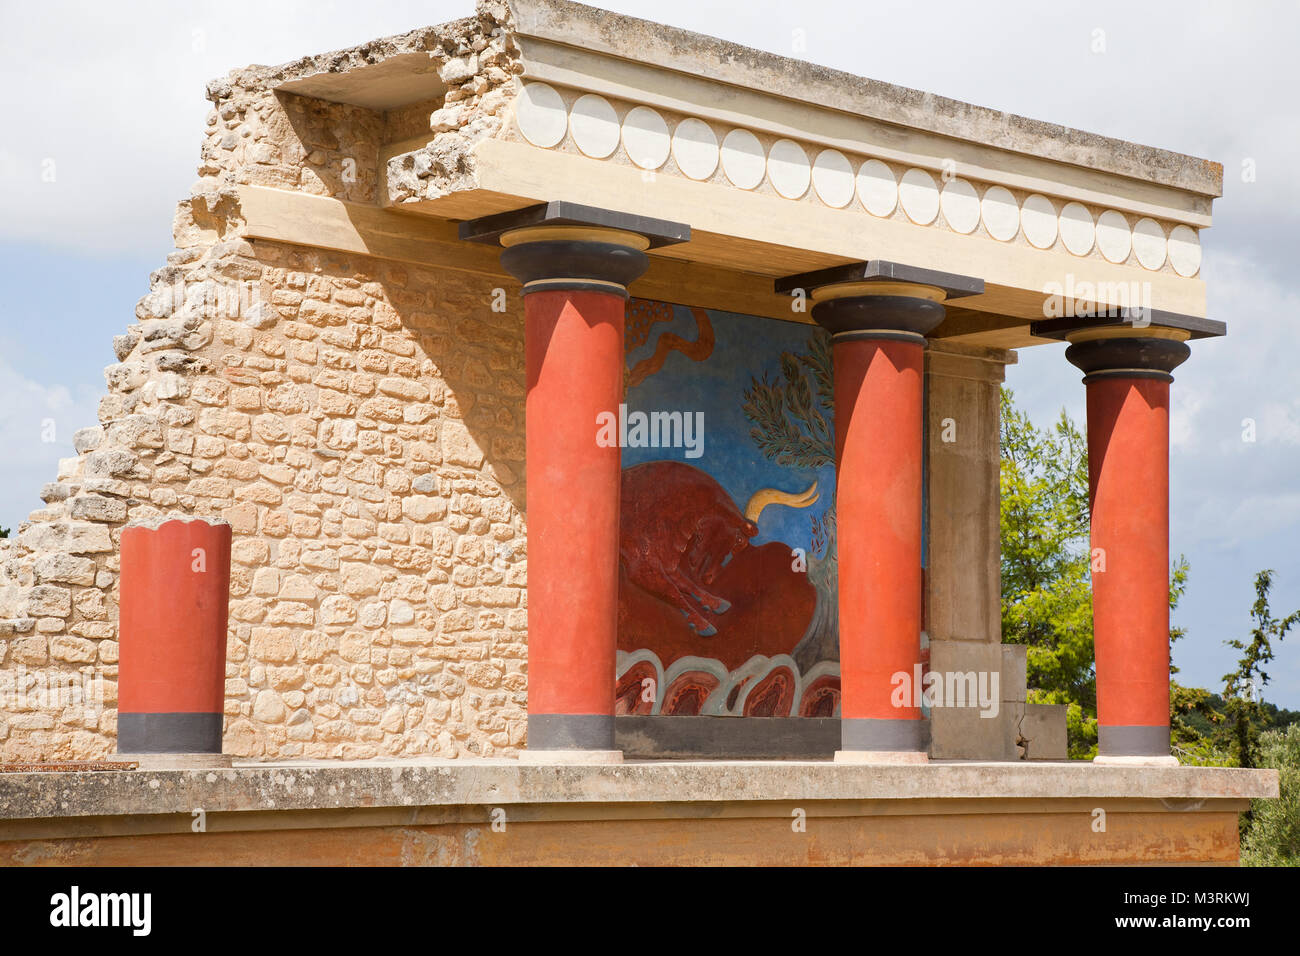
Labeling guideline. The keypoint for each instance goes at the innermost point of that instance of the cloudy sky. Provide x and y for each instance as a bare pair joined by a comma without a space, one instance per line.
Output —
106,100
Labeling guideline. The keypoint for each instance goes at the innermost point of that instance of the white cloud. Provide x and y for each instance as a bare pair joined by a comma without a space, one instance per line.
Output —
1185,403
37,422
114,110
118,104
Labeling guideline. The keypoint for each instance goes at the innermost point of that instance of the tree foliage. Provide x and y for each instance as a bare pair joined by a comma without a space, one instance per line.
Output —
1195,716
786,415
1046,588
1273,837
1243,712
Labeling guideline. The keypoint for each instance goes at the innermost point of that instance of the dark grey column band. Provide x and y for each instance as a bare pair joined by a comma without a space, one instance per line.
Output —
576,285
1128,373
571,732
865,733
169,733
1133,741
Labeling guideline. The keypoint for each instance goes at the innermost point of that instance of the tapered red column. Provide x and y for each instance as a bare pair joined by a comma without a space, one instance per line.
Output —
575,264
878,315
878,445
1128,470
574,345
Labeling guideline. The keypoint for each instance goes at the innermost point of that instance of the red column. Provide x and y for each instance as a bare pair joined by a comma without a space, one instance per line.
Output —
878,314
175,592
878,447
1128,459
574,344
1128,472
575,263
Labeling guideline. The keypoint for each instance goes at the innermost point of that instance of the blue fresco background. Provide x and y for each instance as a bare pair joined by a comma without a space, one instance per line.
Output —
745,347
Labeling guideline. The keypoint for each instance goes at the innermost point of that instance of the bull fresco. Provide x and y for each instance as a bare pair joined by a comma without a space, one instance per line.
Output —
727,587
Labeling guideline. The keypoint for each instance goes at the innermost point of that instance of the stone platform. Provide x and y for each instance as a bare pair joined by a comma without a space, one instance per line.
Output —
491,812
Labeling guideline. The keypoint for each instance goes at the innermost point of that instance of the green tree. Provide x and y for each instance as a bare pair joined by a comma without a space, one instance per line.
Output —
1195,718
1243,708
1273,836
1046,588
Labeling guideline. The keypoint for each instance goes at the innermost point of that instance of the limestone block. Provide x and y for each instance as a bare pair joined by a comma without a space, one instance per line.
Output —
136,431
403,388
57,491
297,587
971,673
300,725
31,650
106,486
273,644
125,376
338,609
459,447
1014,663
1044,729
359,580
458,69
75,650
423,508
72,538
268,707
64,569
123,345
97,508
87,439
110,463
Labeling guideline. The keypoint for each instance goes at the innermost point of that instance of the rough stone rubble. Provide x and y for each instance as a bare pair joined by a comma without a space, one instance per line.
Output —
358,422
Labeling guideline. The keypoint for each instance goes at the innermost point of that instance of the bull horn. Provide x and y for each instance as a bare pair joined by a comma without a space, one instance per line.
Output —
771,496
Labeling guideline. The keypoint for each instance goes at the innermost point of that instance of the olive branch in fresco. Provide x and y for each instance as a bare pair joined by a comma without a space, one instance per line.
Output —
789,427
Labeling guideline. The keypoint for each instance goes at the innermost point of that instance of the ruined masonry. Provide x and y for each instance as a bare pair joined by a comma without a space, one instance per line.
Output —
335,409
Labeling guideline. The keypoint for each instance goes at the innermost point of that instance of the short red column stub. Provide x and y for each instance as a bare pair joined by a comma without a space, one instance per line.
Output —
173,605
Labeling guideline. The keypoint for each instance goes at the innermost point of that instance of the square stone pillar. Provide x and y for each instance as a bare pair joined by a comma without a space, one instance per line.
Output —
963,589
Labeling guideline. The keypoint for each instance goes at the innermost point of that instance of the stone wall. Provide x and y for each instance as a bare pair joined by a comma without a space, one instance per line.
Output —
358,422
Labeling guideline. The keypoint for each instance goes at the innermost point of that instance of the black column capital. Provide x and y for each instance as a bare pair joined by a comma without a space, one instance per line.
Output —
1128,356
1138,343
879,299
563,245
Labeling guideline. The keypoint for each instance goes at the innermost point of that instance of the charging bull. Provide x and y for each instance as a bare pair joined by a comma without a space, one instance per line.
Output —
679,528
